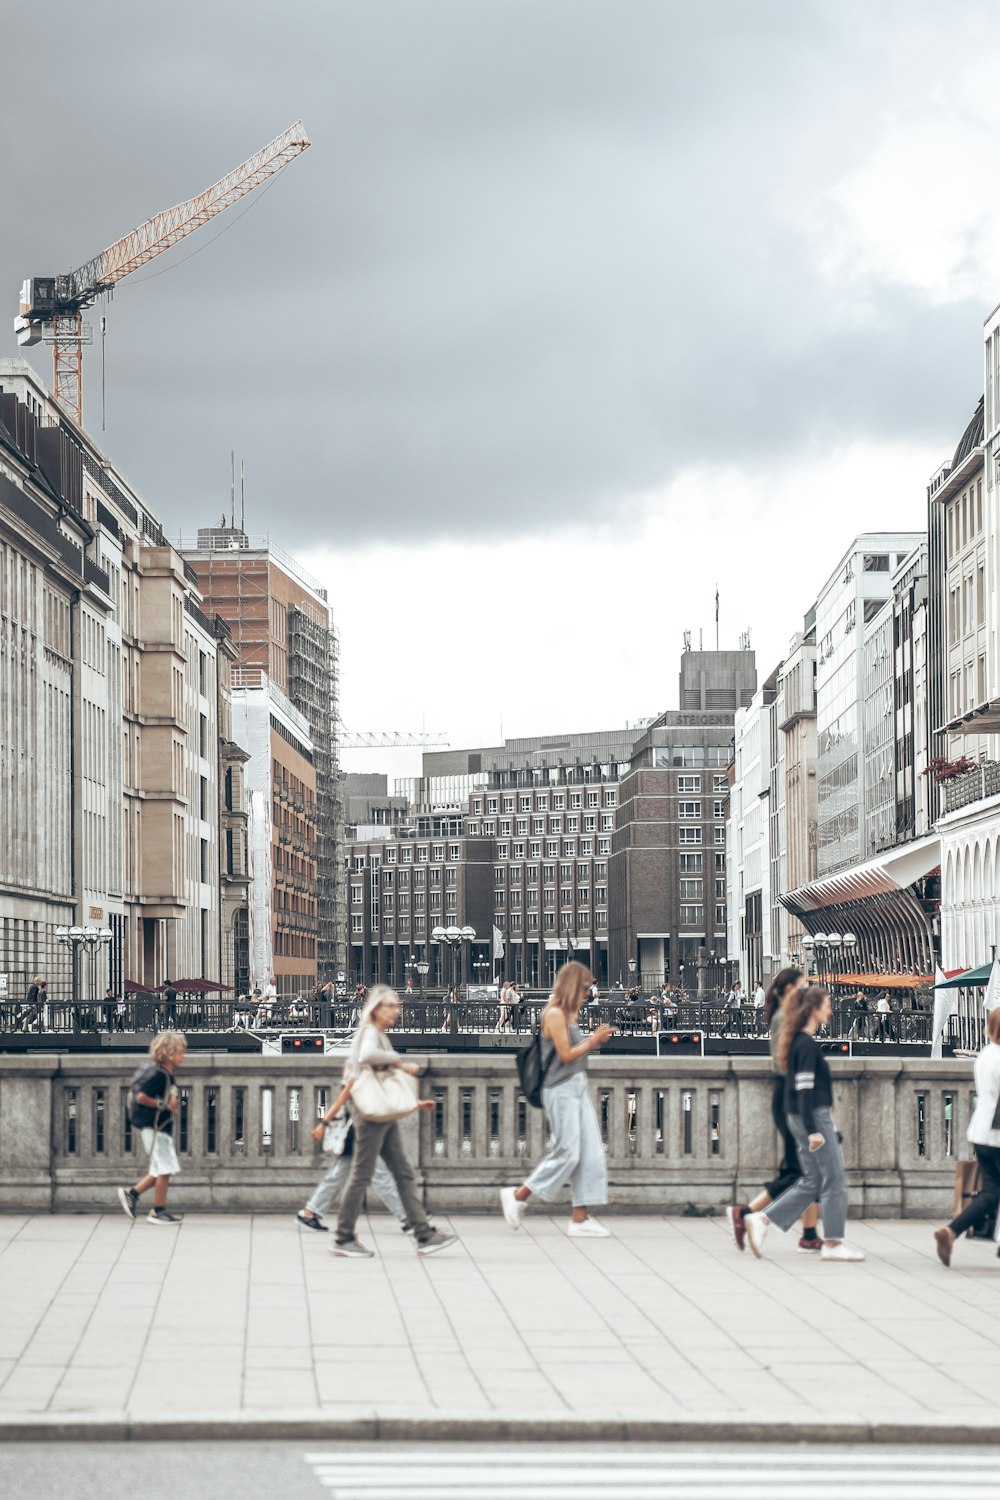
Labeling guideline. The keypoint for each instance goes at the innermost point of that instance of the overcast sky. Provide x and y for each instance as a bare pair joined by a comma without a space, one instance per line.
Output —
572,311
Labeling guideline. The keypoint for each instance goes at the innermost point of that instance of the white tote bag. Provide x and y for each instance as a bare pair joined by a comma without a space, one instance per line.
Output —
384,1094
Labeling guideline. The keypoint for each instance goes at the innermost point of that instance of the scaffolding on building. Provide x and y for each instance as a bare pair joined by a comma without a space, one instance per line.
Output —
313,679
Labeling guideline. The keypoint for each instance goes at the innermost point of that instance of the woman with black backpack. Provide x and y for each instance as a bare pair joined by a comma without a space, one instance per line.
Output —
576,1155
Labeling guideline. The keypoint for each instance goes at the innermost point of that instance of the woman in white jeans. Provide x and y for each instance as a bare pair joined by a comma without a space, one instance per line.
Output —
576,1155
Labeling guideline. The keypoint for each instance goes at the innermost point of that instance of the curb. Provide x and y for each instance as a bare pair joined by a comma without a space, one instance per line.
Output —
443,1427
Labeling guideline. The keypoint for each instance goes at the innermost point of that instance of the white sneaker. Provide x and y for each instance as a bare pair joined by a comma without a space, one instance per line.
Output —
756,1227
513,1209
841,1251
590,1229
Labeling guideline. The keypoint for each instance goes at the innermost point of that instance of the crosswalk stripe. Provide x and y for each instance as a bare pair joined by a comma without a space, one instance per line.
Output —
560,1474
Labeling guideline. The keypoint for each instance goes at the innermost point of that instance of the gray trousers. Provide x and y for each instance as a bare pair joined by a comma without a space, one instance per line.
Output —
332,1184
823,1180
371,1141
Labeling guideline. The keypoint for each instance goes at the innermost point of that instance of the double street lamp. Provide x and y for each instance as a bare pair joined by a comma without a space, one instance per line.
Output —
89,938
831,948
453,937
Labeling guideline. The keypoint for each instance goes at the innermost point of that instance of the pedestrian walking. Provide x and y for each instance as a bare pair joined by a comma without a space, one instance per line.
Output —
783,987
336,1133
375,1138
504,1019
169,1004
520,1008
576,1155
153,1102
884,1011
35,1001
759,998
733,1008
109,1006
808,1108
984,1133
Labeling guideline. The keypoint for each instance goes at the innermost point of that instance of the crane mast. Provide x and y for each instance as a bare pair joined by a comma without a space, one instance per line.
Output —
51,307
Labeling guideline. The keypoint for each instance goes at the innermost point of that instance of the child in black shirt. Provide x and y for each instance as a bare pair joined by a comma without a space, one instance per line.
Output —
153,1102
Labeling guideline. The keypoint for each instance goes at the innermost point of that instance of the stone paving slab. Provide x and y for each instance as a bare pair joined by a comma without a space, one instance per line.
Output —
246,1323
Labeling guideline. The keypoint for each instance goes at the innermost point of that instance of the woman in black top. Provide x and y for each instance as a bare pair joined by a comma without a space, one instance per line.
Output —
808,1106
784,985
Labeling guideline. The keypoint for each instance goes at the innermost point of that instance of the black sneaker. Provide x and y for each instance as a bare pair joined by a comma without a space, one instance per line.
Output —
407,1227
437,1241
129,1200
162,1216
352,1250
312,1221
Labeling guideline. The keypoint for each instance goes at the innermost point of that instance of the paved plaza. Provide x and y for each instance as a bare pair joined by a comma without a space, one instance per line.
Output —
249,1318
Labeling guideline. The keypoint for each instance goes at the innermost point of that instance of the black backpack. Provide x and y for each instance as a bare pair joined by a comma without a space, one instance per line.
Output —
531,1070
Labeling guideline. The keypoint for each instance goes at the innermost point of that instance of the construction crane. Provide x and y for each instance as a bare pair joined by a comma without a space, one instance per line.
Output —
389,739
52,306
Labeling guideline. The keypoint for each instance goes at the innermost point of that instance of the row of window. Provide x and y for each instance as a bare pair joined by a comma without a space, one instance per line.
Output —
549,897
693,809
505,828
501,872
532,922
687,784
527,802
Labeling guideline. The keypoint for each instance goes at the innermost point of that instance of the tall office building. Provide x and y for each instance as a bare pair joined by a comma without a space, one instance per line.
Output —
283,630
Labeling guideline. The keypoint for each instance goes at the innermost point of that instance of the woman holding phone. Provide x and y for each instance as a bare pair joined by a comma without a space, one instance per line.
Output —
808,1107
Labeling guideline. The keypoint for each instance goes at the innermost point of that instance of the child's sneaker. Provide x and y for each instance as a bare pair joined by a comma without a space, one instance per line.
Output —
312,1221
129,1200
162,1216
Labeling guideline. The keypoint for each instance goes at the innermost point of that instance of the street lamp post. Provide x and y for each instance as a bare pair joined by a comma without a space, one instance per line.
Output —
91,939
632,966
454,937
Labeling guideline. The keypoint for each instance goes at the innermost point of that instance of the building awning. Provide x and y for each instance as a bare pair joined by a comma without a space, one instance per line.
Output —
892,871
973,978
884,981
983,719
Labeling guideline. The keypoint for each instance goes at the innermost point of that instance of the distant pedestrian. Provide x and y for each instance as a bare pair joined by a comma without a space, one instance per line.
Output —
808,1106
452,1012
520,1006
504,1012
733,1008
884,1011
758,996
153,1102
859,1025
169,1004
109,1006
984,1133
35,1002
784,988
576,1155
341,1149
371,1048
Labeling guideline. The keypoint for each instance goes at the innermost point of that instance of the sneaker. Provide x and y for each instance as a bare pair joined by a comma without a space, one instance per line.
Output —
807,1246
842,1251
312,1221
513,1209
162,1216
756,1227
944,1241
129,1200
438,1241
590,1229
734,1218
352,1250
407,1227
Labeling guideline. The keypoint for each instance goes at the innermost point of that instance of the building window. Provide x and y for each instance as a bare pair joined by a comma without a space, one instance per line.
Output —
421,854
518,851
689,810
691,890
477,806
451,901
508,804
607,822
503,851
720,836
357,922
720,862
387,925
387,879
550,921
566,897
532,874
555,825
406,854
522,826
356,895
451,878
390,856
535,850
690,835
601,895
691,916
438,854
548,874
593,799
688,784
576,800
505,828
491,804
583,895
610,798
720,916
532,921
515,921
690,864
499,871
600,870
586,846
499,900
515,898
583,871
454,851
720,890
489,829
720,783
603,847
525,804
552,849
538,825
572,825
720,809
542,802
590,825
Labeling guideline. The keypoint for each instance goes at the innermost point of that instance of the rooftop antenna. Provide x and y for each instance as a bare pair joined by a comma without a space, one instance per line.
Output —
701,639
687,640
716,617
232,487
243,499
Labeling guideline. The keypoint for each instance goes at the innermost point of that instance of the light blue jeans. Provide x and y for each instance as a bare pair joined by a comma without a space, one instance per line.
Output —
332,1185
576,1155
823,1180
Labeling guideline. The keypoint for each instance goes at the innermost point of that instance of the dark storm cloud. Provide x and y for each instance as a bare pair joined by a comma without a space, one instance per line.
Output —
540,257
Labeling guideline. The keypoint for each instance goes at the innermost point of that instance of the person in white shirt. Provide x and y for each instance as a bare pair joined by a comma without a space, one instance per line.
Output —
984,1133
758,997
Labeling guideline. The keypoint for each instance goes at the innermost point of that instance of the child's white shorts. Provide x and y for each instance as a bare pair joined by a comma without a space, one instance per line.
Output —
164,1161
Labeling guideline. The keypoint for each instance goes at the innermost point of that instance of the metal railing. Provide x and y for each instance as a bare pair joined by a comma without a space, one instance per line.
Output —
974,786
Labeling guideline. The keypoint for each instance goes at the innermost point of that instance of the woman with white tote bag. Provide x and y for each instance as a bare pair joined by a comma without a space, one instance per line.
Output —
382,1095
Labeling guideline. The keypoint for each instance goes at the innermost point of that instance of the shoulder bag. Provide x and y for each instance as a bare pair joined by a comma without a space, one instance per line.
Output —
384,1094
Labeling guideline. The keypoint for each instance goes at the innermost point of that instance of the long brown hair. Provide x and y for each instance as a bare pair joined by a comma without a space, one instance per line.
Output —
572,983
776,991
795,1012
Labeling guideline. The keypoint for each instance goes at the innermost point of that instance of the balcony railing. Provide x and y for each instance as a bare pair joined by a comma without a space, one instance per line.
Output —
974,786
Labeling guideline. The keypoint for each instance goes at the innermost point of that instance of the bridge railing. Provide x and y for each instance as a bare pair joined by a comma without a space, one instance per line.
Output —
678,1131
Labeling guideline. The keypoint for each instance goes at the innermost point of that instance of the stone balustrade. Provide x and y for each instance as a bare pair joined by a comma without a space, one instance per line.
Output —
678,1130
